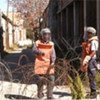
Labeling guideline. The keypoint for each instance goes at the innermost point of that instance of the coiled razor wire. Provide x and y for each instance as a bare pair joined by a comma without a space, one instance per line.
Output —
62,66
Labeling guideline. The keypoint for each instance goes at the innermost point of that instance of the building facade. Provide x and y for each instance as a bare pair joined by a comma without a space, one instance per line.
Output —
13,29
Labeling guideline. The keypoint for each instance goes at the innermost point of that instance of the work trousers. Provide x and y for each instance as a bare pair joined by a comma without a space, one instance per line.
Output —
49,81
92,74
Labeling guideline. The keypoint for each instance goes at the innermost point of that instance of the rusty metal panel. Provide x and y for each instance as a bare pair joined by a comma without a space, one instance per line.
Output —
63,4
98,27
66,2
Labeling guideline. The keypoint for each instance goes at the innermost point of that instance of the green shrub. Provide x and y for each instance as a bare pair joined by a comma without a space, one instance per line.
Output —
98,80
77,87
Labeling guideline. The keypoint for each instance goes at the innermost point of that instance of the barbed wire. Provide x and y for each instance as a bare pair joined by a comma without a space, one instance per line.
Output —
65,73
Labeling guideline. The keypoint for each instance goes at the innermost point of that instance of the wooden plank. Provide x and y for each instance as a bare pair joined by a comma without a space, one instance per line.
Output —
7,19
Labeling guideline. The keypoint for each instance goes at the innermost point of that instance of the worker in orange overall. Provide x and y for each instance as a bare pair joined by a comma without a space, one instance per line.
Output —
44,63
89,59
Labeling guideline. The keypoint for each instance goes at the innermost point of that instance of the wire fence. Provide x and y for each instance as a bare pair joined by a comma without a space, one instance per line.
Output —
66,72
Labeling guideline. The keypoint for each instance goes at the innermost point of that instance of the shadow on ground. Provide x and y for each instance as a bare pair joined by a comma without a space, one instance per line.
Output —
11,96
14,57
62,94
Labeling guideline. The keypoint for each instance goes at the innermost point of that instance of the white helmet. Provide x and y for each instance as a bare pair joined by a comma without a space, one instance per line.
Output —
91,30
45,30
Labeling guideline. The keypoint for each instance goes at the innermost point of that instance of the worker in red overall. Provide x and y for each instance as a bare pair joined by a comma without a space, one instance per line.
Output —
44,63
89,59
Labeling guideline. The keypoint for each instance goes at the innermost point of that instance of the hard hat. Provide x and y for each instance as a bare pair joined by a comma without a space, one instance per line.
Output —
45,30
91,30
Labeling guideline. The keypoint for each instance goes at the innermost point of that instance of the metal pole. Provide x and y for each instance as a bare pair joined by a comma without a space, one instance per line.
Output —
0,18
13,23
0,27
85,24
75,26
7,30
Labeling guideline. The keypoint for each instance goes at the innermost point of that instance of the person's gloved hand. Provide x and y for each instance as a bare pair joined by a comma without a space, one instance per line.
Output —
52,64
41,53
98,66
86,60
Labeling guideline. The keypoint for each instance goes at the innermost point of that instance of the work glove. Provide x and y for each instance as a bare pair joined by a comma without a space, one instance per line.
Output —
98,66
86,60
40,53
52,64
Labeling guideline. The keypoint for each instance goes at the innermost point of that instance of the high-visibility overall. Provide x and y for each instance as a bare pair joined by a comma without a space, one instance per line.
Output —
42,62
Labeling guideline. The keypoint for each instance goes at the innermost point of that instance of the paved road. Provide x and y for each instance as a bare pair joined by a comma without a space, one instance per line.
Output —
14,56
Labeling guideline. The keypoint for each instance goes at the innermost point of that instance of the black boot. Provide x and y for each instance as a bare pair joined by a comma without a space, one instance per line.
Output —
92,95
40,95
50,87
40,90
